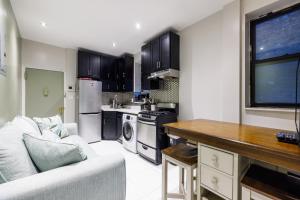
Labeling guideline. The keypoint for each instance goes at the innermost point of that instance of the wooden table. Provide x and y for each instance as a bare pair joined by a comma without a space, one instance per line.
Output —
250,141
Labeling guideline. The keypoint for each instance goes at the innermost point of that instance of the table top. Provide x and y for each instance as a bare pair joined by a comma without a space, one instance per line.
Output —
250,141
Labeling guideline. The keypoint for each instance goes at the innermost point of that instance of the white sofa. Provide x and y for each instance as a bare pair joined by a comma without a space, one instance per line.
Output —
97,178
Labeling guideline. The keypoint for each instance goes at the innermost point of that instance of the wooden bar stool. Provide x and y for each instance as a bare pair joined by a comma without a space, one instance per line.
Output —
185,157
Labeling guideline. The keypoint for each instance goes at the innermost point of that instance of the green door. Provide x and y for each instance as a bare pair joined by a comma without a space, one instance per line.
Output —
44,93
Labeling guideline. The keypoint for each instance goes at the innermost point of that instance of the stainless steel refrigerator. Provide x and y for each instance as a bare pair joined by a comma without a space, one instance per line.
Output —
90,102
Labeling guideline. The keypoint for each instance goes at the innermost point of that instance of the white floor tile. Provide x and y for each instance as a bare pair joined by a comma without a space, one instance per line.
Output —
143,178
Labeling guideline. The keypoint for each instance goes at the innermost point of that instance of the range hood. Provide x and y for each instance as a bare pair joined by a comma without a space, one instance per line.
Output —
165,74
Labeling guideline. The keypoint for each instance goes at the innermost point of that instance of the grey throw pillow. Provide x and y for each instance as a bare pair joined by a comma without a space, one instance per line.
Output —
53,124
15,161
75,139
48,154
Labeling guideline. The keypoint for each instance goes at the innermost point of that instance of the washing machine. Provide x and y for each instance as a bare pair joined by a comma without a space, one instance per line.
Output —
129,132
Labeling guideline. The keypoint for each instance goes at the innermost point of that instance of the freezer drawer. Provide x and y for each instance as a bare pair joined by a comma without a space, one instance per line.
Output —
90,127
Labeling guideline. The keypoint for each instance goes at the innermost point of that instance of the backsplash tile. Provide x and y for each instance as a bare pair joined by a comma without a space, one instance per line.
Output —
169,92
123,98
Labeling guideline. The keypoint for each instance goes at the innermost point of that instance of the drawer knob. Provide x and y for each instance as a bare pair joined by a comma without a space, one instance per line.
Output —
214,181
214,160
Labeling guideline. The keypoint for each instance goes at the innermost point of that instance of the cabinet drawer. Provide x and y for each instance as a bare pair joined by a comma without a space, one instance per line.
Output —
146,151
217,159
216,181
109,114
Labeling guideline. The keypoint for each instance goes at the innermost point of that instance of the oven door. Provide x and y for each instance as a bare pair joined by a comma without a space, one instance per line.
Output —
147,133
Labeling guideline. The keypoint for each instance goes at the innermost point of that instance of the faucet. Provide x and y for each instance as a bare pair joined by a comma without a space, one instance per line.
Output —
115,101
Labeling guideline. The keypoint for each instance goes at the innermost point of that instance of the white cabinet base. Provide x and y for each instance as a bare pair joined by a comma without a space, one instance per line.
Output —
222,172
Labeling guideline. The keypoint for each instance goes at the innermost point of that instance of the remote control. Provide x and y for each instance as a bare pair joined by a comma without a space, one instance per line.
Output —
288,137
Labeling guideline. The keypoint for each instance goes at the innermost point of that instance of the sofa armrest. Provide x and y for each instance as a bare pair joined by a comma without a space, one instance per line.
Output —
93,179
71,128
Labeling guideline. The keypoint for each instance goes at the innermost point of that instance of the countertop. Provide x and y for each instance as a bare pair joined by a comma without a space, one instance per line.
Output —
250,141
129,109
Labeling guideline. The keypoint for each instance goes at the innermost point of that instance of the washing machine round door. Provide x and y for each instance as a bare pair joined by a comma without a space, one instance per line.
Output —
127,131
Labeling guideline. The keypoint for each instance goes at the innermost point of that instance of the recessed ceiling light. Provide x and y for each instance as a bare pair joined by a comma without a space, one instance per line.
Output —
114,44
43,24
138,26
261,48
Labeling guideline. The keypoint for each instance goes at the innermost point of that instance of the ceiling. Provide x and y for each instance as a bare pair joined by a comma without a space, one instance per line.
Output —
97,24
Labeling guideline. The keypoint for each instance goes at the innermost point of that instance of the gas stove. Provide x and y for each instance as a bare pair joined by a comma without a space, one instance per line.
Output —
150,131
154,113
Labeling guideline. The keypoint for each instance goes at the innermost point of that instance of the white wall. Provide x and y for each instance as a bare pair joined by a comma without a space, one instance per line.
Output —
10,84
267,118
214,71
209,84
43,56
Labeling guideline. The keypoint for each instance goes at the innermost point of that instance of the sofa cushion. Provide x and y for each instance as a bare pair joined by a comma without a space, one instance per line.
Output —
75,139
54,124
15,161
26,124
49,135
49,154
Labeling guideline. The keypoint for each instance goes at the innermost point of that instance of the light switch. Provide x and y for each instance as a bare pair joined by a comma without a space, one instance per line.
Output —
45,92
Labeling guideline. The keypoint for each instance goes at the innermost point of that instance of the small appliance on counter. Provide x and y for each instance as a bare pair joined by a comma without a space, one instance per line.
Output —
151,138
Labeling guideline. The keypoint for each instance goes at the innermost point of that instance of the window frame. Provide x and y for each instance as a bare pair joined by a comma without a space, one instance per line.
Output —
253,60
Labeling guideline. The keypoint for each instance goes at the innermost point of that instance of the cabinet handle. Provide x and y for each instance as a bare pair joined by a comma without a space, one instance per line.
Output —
108,75
158,64
214,159
123,86
117,87
123,75
144,147
214,181
104,121
108,86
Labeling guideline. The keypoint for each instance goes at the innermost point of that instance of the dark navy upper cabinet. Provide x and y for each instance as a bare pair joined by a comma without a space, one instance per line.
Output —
155,55
108,72
168,51
95,72
89,65
161,53
165,52
147,69
83,65
116,73
125,73
107,68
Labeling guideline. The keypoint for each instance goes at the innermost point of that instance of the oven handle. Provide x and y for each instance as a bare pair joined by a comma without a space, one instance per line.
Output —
147,123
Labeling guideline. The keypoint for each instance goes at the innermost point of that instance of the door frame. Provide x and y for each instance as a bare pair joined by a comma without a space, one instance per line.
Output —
23,88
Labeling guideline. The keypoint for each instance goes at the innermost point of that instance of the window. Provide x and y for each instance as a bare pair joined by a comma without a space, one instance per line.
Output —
275,42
